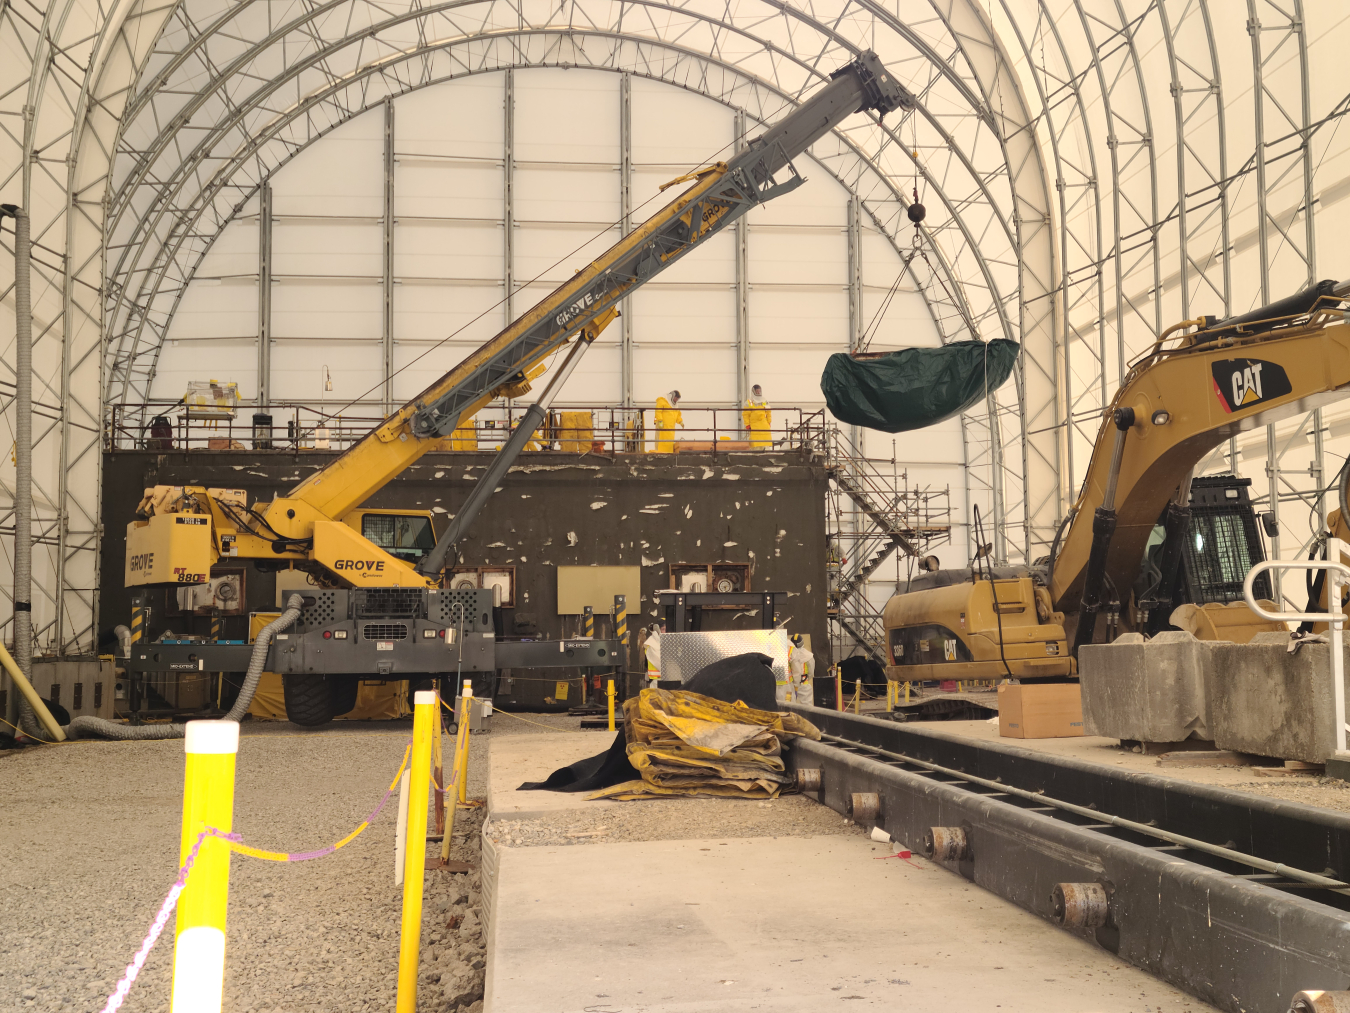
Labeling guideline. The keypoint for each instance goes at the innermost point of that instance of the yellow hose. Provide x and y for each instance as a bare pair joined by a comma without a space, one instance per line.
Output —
30,694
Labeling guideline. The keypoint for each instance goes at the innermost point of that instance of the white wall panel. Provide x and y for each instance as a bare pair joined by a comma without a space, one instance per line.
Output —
674,314
353,366
310,247
567,116
702,375
225,308
445,188
343,175
428,250
334,309
460,121
555,194
430,313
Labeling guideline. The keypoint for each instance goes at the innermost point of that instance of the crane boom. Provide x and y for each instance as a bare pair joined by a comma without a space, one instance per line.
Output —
307,525
720,194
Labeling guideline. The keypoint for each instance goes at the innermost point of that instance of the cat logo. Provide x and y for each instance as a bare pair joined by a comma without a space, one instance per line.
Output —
949,650
1242,383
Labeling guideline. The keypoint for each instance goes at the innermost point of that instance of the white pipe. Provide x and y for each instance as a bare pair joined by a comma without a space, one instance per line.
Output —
23,442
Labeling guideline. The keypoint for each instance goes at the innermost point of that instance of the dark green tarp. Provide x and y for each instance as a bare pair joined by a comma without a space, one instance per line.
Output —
915,387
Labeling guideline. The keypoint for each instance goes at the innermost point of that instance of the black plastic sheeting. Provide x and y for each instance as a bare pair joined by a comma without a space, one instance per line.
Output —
745,677
915,387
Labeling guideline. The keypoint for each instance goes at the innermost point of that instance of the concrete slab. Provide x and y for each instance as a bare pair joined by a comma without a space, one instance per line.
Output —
783,924
515,759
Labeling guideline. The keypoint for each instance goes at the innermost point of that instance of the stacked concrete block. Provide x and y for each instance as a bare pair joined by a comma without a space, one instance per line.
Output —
1154,690
1274,703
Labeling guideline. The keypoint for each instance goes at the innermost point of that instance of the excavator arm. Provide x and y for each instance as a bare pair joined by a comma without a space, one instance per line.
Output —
306,523
1176,405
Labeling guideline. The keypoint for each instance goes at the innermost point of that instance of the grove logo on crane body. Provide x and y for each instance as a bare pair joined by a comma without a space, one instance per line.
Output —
364,565
1242,383
570,313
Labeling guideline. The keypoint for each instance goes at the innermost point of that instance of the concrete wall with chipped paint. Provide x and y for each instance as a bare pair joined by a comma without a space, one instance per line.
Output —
763,509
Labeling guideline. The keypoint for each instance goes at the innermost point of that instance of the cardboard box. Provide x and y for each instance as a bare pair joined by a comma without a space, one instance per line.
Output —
1040,710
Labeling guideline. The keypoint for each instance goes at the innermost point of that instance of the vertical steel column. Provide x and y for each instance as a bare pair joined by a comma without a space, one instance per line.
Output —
265,295
1263,252
1290,24
23,442
742,227
1310,238
856,324
387,332
626,226
508,196
1273,477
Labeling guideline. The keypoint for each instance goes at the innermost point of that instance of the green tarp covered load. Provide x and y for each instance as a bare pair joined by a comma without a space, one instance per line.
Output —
686,744
915,387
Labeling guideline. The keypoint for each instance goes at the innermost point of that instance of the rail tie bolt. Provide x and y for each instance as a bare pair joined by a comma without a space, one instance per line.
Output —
1081,906
808,779
946,844
1314,1000
863,806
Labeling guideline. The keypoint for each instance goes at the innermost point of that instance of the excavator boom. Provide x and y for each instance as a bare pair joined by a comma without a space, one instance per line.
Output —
1179,405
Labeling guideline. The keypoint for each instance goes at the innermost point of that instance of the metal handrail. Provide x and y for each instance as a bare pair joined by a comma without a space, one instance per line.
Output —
616,428
1337,575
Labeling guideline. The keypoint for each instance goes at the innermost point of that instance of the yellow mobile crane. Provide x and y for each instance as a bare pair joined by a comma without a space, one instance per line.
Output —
181,534
1177,403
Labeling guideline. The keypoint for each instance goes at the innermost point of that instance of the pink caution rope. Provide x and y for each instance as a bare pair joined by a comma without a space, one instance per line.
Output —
133,970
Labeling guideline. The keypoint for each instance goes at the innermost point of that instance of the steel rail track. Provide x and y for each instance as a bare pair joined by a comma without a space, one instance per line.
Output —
1208,889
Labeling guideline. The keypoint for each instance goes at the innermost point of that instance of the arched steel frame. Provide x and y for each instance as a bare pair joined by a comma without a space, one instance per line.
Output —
133,129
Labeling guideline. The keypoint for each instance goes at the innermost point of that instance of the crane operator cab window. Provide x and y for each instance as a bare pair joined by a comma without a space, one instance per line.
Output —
407,538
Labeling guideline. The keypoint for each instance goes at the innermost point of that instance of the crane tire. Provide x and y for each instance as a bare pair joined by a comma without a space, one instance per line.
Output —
309,699
343,690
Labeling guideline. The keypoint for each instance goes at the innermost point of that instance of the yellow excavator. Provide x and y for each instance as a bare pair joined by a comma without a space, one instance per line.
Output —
381,611
1202,382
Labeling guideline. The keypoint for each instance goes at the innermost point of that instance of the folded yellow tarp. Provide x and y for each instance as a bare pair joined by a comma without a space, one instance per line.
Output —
685,743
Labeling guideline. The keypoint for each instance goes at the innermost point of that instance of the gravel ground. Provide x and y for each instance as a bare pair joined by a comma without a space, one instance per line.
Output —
1324,792
90,845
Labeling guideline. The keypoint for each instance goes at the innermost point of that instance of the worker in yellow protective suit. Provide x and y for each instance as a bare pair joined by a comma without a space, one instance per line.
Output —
757,418
667,418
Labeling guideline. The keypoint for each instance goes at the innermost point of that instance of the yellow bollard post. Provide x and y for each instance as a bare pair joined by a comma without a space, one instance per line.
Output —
438,767
610,694
838,689
890,696
414,864
906,692
464,754
208,802
452,789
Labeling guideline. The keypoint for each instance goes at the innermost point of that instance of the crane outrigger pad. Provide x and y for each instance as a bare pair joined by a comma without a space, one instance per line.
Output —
915,387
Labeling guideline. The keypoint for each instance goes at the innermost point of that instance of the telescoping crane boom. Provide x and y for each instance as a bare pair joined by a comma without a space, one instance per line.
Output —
165,546
385,614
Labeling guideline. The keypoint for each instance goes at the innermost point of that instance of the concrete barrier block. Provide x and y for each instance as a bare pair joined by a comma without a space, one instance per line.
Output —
1150,690
1273,703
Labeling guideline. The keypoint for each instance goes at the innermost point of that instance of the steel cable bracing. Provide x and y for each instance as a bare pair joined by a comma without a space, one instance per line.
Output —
1074,152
